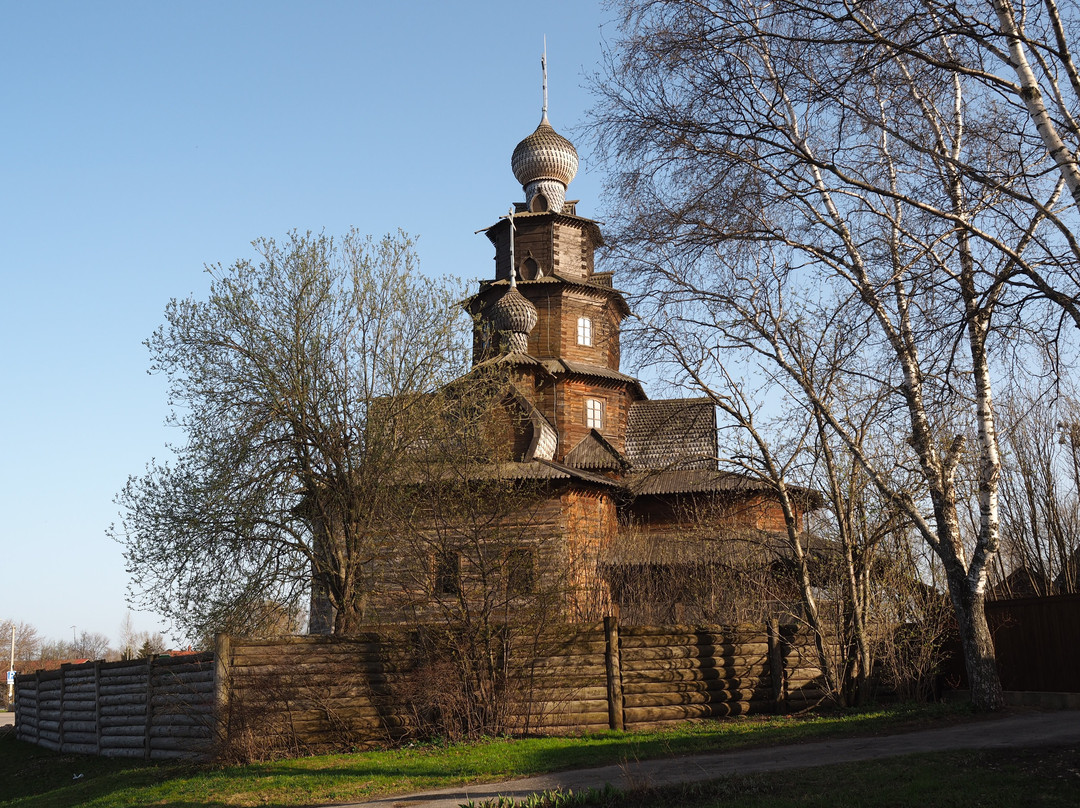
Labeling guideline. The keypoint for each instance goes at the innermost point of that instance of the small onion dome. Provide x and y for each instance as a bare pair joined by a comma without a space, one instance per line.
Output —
514,316
544,163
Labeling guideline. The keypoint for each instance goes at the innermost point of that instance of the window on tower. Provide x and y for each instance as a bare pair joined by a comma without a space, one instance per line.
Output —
594,413
520,571
584,331
447,569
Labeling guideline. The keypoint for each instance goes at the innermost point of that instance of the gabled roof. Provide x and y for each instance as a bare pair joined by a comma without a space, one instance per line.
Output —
593,452
545,438
672,434
1021,583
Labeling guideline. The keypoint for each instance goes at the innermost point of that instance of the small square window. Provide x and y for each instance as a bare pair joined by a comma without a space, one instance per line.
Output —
584,331
447,574
520,571
594,413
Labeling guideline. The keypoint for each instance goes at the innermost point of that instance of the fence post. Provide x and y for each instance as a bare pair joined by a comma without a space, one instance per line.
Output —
613,670
63,685
776,664
149,705
97,704
37,707
222,651
18,705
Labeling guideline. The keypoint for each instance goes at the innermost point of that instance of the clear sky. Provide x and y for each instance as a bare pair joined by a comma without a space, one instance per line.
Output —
140,141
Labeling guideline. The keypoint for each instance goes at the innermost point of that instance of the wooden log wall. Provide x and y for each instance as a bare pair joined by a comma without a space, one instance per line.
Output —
292,695
147,708
309,693
565,690
671,673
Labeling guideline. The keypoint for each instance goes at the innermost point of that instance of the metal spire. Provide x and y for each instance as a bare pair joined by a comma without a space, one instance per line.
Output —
513,274
543,70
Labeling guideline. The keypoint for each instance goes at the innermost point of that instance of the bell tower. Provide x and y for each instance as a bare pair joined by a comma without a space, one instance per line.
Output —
544,256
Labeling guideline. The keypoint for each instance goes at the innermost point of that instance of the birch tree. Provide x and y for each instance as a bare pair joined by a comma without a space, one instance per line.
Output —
779,177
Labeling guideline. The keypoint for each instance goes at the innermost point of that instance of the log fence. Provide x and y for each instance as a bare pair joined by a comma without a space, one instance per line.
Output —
148,708
307,693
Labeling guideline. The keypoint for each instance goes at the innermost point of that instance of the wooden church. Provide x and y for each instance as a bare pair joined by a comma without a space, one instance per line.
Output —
630,485
627,470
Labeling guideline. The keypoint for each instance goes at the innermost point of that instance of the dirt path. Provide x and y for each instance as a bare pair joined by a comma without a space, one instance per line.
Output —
1010,730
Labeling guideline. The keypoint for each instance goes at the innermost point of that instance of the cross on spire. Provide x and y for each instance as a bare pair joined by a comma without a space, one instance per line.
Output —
543,70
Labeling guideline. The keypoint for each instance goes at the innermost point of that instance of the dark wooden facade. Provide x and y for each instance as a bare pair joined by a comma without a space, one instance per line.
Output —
609,460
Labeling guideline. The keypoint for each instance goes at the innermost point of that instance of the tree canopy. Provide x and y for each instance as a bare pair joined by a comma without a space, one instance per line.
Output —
858,205
292,384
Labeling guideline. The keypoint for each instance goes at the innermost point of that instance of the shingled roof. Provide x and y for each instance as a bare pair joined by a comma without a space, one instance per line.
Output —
705,481
741,546
546,470
672,434
593,452
691,481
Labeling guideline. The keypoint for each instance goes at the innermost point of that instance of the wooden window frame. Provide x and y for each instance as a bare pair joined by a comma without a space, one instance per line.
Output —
584,332
594,413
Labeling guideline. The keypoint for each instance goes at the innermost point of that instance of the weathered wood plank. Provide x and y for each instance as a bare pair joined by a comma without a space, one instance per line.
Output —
679,699
713,652
202,732
122,736
637,715
706,686
110,751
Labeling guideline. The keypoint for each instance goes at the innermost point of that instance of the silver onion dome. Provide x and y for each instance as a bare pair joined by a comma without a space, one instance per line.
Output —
514,316
544,163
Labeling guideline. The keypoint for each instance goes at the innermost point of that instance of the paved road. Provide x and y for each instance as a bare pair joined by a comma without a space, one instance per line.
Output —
1010,730
7,719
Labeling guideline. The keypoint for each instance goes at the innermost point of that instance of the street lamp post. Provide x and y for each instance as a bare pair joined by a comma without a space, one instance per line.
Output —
11,669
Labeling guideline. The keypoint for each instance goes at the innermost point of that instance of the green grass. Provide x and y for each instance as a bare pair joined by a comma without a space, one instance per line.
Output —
1034,778
31,776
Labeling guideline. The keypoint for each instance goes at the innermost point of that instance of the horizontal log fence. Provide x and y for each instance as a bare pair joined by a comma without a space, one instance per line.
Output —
155,708
299,694
317,692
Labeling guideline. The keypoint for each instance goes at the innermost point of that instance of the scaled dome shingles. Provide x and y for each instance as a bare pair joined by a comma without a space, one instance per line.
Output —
514,313
544,155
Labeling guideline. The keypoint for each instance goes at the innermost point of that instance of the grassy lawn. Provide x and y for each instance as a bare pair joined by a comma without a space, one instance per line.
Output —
1035,778
31,776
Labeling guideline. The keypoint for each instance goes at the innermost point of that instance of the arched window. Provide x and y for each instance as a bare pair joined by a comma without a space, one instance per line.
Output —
530,270
594,413
584,331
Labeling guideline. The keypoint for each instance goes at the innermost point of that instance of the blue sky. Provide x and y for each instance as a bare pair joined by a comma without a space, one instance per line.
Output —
141,141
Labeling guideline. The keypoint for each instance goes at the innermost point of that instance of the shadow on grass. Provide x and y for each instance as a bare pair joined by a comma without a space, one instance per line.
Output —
32,776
